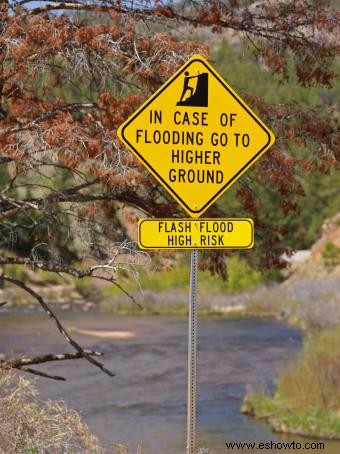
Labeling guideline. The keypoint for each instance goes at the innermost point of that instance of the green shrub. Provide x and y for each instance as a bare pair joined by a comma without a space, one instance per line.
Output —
85,287
177,277
241,276
331,255
47,277
158,281
17,272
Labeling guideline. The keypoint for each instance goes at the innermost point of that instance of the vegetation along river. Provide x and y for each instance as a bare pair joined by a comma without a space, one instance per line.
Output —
146,401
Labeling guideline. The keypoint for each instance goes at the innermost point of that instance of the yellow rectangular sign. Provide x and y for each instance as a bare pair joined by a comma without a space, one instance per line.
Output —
230,233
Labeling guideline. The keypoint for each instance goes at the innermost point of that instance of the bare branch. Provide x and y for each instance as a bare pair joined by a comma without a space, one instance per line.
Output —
5,160
61,108
42,374
63,268
77,6
60,327
22,363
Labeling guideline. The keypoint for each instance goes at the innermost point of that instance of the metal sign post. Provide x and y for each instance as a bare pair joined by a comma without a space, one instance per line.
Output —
192,353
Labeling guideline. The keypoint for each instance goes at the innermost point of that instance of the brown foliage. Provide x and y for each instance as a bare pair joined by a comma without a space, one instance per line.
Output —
68,80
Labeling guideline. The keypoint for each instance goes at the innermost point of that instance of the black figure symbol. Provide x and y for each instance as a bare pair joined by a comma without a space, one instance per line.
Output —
198,97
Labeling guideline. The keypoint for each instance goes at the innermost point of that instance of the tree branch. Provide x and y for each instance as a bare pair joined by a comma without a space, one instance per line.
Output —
42,374
60,327
22,363
56,5
63,268
47,115
259,25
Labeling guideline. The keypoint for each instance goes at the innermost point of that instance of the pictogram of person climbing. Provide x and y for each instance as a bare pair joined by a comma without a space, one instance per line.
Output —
195,97
186,86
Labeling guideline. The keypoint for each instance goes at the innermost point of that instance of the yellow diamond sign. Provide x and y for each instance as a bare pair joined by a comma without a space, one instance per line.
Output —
196,136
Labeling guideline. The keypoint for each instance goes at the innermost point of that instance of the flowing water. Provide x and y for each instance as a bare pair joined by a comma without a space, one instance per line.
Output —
146,401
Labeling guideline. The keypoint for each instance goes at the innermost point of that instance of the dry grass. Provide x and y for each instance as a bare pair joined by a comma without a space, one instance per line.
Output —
311,302
320,313
30,426
312,380
120,448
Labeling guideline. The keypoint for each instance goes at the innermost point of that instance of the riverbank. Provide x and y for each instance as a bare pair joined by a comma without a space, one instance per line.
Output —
306,400
155,292
309,298
313,423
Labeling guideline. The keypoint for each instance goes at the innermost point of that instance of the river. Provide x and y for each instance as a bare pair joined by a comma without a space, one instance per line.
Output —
146,400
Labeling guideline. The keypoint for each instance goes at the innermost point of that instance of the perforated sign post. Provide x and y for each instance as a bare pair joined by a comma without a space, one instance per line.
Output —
197,137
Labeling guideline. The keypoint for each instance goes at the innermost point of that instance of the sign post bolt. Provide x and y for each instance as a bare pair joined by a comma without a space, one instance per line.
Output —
192,353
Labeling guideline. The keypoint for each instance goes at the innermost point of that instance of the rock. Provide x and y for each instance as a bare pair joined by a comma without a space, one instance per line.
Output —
330,233
88,306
